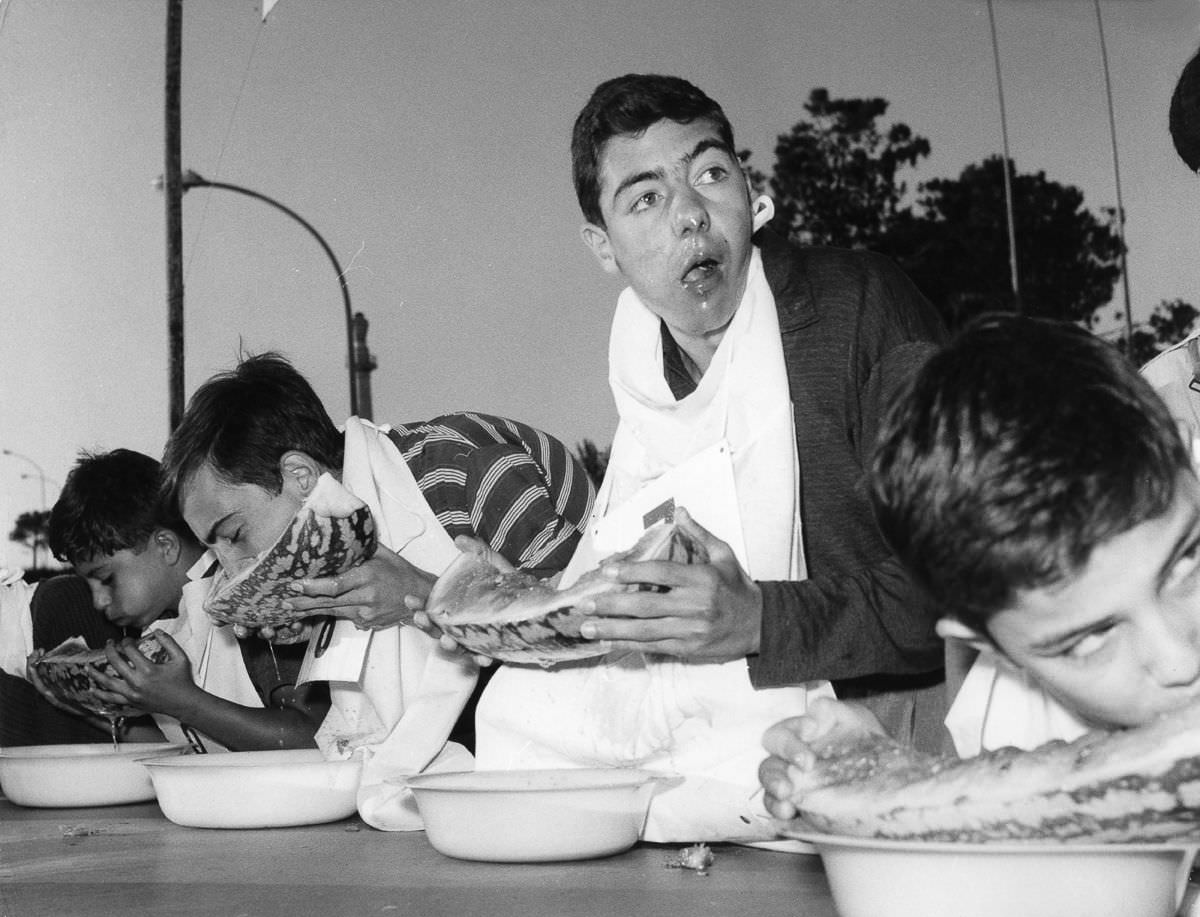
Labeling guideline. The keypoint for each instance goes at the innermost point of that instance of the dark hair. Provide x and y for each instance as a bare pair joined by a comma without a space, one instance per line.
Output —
241,422
628,105
1014,452
109,503
1184,115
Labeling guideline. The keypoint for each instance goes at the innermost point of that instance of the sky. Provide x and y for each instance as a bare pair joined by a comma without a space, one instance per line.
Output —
428,145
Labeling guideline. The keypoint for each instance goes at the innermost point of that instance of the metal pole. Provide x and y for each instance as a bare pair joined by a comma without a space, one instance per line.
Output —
193,180
1112,132
174,193
1008,196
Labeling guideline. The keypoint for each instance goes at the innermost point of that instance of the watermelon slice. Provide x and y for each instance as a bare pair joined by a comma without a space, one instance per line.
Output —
332,532
68,669
515,617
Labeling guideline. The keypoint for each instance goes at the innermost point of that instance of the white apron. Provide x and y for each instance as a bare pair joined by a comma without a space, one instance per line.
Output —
734,469
395,694
214,652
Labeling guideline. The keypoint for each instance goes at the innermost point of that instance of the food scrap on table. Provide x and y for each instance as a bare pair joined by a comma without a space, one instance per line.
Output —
698,857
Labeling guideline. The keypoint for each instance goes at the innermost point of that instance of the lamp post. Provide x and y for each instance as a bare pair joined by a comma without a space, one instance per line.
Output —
41,476
192,179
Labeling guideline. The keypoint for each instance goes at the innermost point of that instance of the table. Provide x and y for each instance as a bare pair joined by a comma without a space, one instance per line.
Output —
131,861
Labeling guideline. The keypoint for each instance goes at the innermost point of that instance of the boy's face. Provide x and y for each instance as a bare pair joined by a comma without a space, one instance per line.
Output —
678,224
1119,643
238,521
130,587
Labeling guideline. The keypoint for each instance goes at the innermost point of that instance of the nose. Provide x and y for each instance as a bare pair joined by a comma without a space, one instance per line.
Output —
691,215
101,596
1171,652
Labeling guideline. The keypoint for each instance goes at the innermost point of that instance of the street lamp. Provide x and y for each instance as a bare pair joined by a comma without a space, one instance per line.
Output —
191,179
41,476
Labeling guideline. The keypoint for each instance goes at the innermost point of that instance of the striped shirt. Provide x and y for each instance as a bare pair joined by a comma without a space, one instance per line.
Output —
506,483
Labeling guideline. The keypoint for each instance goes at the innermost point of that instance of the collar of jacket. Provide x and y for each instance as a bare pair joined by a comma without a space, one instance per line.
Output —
787,279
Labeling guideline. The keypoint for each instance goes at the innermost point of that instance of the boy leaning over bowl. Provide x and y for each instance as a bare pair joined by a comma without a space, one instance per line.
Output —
253,444
1038,489
148,572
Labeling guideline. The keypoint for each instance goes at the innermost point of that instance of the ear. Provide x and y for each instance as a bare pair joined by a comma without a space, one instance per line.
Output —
168,546
299,473
596,238
953,629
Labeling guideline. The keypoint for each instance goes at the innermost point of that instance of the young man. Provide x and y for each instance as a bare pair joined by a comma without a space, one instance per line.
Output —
1040,492
146,571
749,377
253,444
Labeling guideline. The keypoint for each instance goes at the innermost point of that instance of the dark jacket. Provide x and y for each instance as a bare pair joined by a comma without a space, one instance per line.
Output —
854,328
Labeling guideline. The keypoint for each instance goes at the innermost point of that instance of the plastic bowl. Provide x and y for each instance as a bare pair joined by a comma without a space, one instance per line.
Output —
534,816
255,789
69,776
878,878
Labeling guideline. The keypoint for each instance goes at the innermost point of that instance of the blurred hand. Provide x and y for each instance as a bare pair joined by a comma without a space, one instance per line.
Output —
793,744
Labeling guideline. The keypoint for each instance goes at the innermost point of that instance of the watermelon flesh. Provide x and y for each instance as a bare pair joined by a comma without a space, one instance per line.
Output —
515,617
1132,785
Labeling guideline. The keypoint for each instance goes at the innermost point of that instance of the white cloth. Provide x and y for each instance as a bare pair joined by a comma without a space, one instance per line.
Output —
214,653
999,706
16,622
402,693
729,444
1173,373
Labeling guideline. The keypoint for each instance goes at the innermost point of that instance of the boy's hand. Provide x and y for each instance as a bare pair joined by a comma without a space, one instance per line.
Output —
709,612
793,745
379,593
162,687
421,619
296,632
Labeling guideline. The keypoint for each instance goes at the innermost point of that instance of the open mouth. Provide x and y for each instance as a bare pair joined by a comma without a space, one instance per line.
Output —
700,272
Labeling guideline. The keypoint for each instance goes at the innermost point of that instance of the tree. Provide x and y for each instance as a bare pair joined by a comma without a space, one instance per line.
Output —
32,530
835,180
955,246
1171,321
593,459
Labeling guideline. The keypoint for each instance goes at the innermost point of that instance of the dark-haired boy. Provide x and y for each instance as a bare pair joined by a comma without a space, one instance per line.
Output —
252,445
749,375
146,571
1040,492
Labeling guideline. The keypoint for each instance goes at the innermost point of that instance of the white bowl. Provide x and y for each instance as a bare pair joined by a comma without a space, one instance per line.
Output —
534,816
878,878
255,789
68,776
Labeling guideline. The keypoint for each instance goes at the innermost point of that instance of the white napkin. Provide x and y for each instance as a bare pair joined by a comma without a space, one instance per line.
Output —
401,709
16,622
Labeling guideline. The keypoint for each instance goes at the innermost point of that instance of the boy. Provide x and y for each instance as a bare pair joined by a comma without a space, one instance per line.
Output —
1039,490
253,444
748,375
147,571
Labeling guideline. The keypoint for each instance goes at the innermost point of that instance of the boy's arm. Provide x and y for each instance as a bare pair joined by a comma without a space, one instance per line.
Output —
290,721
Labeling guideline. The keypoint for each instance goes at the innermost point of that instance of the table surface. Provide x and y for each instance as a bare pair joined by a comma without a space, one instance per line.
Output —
131,861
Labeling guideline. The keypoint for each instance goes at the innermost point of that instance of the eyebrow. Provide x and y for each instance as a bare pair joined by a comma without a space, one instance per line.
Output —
211,537
701,147
1188,536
